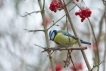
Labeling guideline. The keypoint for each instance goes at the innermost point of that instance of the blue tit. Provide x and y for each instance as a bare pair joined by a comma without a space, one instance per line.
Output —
63,38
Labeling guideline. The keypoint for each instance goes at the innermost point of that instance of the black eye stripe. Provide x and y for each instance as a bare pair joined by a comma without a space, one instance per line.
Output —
51,33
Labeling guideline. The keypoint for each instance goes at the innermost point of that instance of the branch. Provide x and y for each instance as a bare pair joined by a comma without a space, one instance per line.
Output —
97,65
72,26
33,30
30,13
46,32
60,49
95,41
104,65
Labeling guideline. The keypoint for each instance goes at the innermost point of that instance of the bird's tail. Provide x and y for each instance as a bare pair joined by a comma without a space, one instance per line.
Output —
84,42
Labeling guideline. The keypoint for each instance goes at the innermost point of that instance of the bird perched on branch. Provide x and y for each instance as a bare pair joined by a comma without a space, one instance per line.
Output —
63,38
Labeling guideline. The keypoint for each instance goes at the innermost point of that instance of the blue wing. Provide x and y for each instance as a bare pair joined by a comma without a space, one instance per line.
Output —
66,34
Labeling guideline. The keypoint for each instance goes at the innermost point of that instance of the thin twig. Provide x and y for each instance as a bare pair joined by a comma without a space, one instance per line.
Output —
33,30
67,61
100,28
30,13
104,65
69,52
97,65
95,42
39,46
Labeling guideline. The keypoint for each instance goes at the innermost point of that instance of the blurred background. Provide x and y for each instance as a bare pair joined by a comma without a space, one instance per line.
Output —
17,49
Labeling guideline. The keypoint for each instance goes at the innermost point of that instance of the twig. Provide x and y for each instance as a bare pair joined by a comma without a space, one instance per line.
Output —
104,2
104,69
30,13
39,46
97,65
67,61
100,28
33,30
95,42
69,52
53,49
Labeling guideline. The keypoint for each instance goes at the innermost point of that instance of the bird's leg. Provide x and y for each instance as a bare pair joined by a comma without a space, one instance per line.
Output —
59,46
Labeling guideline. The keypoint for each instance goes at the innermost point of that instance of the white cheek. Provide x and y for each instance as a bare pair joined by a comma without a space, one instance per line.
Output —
52,36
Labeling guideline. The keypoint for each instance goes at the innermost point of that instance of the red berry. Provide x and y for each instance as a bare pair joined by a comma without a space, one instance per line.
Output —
79,66
83,10
77,0
81,15
89,11
77,13
58,67
82,20
73,68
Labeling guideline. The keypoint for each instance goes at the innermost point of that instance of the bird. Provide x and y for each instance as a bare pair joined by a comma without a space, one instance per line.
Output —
63,38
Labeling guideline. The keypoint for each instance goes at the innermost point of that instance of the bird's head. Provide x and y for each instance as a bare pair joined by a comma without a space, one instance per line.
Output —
52,34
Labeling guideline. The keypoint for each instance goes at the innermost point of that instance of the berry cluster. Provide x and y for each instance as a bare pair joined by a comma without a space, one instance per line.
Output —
79,66
84,13
55,5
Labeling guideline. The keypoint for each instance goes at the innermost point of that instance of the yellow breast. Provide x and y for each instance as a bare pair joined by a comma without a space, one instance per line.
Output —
64,40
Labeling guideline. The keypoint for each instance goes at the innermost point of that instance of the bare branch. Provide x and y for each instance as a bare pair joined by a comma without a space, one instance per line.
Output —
30,13
53,49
